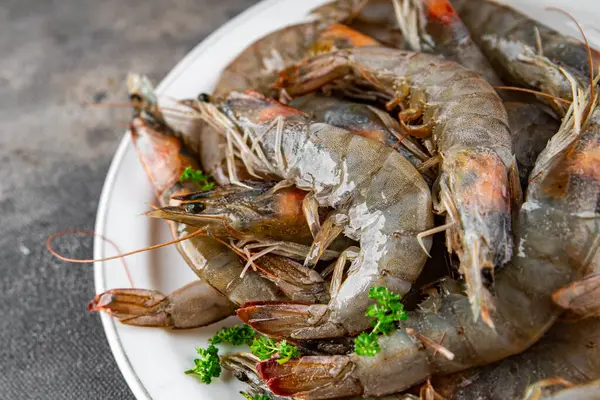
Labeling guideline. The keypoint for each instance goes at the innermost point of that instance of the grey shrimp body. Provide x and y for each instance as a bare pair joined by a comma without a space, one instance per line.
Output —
379,197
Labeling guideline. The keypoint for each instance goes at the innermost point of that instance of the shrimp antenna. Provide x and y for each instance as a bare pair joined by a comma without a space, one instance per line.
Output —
587,46
176,111
518,89
93,234
199,232
107,105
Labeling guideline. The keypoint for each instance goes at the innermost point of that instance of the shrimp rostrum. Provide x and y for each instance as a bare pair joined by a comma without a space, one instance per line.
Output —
463,121
558,233
378,197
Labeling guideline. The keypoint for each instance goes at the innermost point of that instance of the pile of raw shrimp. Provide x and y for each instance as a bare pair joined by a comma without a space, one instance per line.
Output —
399,198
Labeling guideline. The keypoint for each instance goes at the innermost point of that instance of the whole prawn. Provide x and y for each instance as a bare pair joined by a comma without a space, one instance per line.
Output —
195,304
220,290
465,123
558,232
378,196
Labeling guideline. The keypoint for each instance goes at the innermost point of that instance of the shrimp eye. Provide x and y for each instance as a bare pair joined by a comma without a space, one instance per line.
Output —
195,208
204,98
241,376
487,275
135,98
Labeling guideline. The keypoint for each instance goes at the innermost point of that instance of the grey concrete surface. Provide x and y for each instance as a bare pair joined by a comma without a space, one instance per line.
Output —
54,154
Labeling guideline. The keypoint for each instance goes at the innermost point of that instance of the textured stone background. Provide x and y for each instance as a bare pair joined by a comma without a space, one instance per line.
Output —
54,155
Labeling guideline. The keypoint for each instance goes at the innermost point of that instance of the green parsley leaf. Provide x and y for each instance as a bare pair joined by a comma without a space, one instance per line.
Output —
264,348
385,313
207,366
236,335
366,344
197,177
286,352
255,397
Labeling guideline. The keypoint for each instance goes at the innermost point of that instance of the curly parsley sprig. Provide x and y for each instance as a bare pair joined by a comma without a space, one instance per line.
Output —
197,177
264,348
207,366
236,335
385,313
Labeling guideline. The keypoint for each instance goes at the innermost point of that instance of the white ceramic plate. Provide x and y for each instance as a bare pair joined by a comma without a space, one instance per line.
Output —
153,360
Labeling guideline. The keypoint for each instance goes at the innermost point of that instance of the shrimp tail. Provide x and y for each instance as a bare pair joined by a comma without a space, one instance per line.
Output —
581,297
329,377
289,320
194,305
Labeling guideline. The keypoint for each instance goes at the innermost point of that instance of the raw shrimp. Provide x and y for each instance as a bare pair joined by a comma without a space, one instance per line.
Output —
378,196
196,304
257,66
468,129
432,26
164,158
558,232
252,214
496,27
568,350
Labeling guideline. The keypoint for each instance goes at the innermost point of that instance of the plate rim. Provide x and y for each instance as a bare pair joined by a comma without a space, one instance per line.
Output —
110,330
